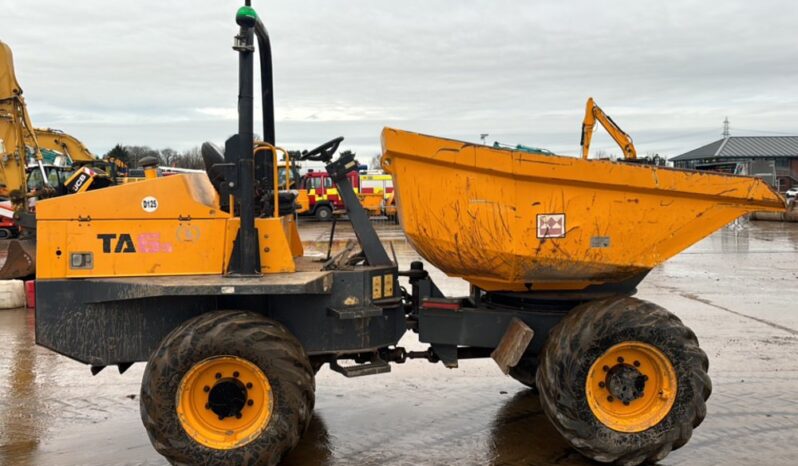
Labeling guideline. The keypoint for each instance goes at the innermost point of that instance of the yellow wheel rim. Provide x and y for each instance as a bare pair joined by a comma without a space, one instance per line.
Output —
631,387
224,402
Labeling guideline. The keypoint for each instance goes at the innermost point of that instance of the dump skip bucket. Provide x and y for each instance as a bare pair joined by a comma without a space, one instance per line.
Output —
515,221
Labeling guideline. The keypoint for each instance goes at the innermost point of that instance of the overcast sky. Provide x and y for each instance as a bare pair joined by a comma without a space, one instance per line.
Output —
162,73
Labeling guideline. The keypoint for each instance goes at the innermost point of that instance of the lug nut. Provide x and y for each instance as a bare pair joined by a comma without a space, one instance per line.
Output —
610,399
249,385
645,378
236,374
601,384
606,368
626,403
637,363
218,375
238,415
250,402
207,406
620,359
206,389
221,418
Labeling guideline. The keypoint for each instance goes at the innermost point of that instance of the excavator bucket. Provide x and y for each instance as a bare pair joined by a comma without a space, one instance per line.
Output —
514,221
20,260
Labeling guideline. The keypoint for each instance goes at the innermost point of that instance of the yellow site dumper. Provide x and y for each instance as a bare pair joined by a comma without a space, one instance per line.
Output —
205,280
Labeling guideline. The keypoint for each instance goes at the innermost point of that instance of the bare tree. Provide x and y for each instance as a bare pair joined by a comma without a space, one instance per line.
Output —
136,153
169,156
191,158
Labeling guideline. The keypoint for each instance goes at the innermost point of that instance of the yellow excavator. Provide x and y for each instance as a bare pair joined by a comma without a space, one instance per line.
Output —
594,113
64,143
76,153
16,132
26,175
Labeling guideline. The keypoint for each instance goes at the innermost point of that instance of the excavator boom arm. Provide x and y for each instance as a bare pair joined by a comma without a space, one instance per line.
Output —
66,144
72,148
594,113
16,131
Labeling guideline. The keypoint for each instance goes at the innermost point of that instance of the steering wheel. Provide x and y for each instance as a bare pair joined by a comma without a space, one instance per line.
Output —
324,152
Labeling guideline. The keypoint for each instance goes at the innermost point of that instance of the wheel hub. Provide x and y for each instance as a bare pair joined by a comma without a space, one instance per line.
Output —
224,402
626,383
631,387
227,398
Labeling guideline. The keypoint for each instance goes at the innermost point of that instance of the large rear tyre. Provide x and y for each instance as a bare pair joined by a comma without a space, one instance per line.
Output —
623,380
227,387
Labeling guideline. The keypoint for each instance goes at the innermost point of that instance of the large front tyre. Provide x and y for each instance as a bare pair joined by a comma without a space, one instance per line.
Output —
623,380
227,387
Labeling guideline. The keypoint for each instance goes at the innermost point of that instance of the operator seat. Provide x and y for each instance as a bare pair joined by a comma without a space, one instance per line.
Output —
212,157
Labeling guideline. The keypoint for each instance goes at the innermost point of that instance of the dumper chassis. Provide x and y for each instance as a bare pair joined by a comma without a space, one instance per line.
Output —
231,357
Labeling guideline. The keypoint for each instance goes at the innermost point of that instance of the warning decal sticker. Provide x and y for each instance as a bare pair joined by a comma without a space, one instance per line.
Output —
551,226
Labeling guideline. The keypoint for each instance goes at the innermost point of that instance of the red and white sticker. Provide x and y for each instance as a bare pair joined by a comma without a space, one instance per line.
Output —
6,209
551,226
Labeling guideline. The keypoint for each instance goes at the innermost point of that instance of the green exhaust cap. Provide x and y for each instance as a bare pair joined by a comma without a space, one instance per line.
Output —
246,16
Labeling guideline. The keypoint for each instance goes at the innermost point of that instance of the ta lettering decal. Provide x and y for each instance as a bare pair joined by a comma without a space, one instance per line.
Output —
121,244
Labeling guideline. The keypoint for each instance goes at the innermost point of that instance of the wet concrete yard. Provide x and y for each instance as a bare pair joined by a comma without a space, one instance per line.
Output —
738,290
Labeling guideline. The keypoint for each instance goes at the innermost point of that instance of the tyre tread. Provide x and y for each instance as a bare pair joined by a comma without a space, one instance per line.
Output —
560,392
241,331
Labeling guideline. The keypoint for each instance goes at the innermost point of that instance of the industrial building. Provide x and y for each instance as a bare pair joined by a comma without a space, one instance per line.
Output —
772,158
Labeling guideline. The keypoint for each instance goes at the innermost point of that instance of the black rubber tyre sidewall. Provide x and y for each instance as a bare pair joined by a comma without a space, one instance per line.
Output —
584,335
322,217
525,372
247,335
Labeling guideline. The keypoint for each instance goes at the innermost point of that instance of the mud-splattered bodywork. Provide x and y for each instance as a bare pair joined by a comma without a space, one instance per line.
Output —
514,221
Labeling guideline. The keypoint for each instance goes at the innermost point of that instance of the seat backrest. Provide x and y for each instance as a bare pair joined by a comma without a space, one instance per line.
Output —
212,156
